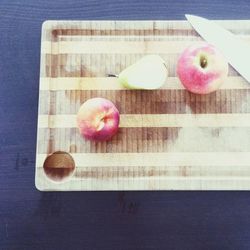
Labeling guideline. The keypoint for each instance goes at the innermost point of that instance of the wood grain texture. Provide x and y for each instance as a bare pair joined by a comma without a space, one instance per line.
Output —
160,130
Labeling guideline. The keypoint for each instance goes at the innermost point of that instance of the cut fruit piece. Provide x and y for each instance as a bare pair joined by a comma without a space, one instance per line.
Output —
149,72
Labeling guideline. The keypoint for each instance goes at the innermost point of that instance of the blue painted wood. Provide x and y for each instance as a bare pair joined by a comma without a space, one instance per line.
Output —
30,219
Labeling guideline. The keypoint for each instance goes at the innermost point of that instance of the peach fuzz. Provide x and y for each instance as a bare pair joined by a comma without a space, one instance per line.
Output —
98,119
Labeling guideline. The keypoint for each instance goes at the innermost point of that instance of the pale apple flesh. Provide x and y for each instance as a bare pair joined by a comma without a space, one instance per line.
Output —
148,73
98,119
202,68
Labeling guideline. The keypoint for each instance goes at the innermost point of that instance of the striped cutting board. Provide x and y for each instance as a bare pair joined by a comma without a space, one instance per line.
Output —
169,139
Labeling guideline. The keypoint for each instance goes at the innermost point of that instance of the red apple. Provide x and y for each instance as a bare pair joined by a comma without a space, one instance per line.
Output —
202,68
98,119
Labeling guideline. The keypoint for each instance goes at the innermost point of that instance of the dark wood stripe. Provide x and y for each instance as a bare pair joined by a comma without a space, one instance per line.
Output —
63,33
116,32
53,30
153,171
149,102
148,140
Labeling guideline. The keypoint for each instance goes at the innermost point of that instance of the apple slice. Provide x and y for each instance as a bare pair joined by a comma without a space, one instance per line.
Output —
149,72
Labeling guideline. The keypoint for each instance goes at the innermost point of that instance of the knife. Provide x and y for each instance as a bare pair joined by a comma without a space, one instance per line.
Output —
236,51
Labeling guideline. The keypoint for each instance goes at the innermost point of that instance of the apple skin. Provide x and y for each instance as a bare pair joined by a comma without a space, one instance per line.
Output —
98,119
202,68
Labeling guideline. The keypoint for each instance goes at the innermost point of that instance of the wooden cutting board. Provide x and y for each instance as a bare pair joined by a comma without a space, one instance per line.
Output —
169,139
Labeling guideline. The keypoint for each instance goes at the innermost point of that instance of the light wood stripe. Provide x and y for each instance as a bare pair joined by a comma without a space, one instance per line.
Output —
112,83
157,120
117,47
144,183
99,65
114,47
229,159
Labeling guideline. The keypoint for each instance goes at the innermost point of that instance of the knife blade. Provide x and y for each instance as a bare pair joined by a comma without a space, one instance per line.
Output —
236,51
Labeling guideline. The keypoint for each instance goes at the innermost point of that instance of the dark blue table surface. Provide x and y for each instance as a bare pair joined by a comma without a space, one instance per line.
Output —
30,219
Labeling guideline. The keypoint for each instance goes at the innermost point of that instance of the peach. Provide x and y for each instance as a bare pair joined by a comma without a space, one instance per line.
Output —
98,119
202,68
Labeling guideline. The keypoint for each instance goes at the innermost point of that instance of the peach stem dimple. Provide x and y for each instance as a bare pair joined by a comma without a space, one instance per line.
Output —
100,122
100,125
